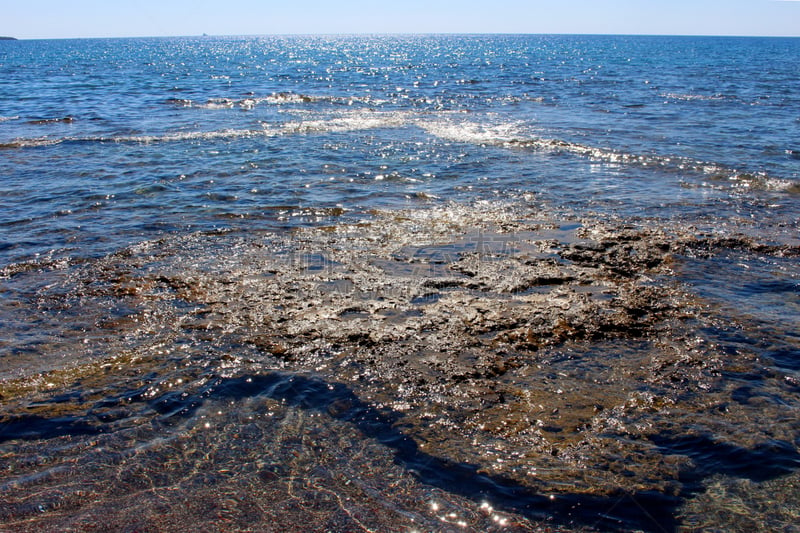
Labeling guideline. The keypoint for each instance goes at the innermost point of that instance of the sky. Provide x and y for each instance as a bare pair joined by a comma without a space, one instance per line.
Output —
52,19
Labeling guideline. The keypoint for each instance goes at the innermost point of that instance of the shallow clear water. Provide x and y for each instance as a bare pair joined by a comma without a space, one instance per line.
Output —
209,240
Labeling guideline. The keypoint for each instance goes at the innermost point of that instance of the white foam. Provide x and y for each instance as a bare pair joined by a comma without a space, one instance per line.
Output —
349,121
276,99
192,136
473,133
286,98
32,142
692,97
217,103
487,130
764,182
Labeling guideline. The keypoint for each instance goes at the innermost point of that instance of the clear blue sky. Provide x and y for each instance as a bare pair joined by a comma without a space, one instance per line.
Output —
123,18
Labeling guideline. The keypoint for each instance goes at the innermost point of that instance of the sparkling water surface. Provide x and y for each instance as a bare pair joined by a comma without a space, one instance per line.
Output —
115,140
138,177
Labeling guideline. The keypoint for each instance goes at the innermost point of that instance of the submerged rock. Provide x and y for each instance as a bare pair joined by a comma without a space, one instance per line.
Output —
557,357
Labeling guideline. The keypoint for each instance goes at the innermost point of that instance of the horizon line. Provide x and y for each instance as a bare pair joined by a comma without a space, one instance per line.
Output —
401,34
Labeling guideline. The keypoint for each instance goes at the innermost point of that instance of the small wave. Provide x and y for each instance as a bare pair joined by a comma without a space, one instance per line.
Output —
188,136
283,98
213,103
695,97
764,182
30,143
333,123
717,171
349,122
6,119
603,154
141,139
297,98
474,133
288,98
450,126
217,103
248,102
180,102
46,121
516,135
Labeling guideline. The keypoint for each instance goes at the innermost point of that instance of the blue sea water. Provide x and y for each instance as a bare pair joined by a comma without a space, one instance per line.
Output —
106,142
111,143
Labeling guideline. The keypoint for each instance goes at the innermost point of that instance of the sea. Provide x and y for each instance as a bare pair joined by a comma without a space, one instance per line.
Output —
179,216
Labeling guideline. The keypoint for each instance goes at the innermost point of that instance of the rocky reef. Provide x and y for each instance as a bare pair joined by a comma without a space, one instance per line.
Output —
526,355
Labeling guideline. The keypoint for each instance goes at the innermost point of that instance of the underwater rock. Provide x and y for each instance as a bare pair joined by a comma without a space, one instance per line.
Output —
569,361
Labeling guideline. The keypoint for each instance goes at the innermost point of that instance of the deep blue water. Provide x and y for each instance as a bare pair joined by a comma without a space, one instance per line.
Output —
106,142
